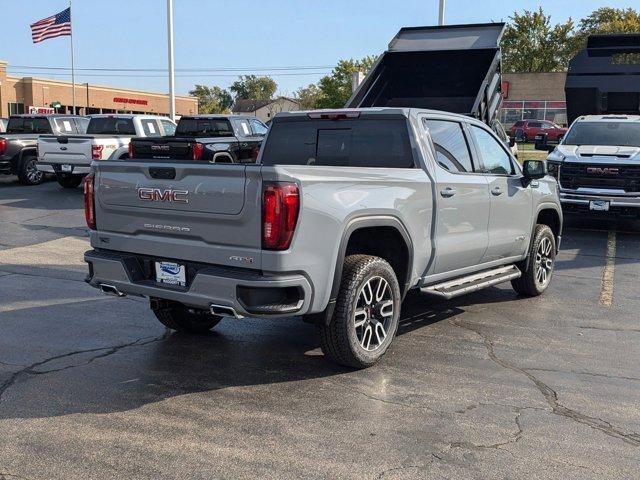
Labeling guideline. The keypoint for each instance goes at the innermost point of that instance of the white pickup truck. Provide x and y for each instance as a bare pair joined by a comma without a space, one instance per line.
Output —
108,137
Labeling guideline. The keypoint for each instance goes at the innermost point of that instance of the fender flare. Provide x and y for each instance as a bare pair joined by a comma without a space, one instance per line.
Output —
352,226
544,206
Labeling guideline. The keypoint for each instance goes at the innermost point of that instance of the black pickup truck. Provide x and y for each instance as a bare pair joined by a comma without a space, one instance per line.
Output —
18,145
213,138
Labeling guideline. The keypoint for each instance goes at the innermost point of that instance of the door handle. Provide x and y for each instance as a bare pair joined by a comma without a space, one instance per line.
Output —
496,191
448,192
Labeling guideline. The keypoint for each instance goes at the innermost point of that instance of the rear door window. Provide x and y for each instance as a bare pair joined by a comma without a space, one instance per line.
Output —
349,143
111,126
81,124
65,126
150,128
452,150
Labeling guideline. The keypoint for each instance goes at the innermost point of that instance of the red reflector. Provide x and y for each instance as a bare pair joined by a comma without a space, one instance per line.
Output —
3,145
340,115
89,206
96,152
280,205
197,150
132,150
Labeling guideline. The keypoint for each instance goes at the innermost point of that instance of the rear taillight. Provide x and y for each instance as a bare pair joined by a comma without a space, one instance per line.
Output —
96,152
196,151
89,202
280,205
132,150
3,145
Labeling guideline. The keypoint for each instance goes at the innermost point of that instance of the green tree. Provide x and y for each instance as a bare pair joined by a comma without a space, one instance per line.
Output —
335,89
607,20
308,96
212,99
531,44
252,87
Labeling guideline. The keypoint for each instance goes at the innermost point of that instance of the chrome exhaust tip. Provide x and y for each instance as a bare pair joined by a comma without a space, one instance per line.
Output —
111,290
223,311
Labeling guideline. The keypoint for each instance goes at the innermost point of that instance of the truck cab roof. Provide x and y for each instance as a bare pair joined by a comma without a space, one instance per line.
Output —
608,118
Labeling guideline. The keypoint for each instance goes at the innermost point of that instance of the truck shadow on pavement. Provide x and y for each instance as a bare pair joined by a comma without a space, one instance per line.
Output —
132,372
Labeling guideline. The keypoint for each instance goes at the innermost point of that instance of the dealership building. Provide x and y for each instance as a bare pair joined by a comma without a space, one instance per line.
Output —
24,94
535,96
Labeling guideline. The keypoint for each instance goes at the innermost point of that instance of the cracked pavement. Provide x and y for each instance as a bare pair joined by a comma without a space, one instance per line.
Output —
487,386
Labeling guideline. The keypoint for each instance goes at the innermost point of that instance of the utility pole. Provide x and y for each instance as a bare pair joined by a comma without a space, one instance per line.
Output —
73,70
172,79
441,12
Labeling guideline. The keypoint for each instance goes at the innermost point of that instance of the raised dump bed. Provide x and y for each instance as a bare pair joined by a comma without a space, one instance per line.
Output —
454,68
604,78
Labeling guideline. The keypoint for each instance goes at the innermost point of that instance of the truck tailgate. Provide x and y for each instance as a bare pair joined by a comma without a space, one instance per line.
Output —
68,150
180,210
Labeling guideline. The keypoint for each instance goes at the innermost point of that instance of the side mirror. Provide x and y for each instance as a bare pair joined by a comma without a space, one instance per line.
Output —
533,170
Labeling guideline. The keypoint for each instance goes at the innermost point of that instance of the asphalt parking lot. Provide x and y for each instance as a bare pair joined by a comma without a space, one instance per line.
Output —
488,386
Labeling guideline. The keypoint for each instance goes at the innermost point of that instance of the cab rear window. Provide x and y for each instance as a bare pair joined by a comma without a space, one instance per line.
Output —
28,125
111,126
347,143
204,127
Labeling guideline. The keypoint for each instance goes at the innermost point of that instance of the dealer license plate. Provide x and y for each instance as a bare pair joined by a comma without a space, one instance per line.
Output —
66,168
171,273
599,205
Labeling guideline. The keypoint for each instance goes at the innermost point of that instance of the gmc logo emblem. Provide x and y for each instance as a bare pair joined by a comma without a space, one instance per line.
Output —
157,195
603,171
160,148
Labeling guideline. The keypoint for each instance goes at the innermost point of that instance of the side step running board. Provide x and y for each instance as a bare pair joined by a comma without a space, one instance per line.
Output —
471,283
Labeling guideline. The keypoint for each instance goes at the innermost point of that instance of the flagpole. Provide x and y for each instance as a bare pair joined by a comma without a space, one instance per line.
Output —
73,72
172,90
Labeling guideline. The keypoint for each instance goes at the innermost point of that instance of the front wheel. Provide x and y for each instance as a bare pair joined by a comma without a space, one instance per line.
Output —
68,180
536,277
181,318
28,173
366,314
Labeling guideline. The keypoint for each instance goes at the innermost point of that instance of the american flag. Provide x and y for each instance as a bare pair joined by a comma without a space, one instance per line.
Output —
55,26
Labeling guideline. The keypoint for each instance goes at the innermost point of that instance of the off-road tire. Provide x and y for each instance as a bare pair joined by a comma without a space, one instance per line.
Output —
338,339
178,317
25,171
527,284
69,180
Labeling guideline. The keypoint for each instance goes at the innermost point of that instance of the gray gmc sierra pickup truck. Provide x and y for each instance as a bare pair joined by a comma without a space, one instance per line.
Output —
343,213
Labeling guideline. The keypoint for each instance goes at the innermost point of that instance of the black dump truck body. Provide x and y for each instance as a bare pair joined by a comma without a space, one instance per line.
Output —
452,68
604,78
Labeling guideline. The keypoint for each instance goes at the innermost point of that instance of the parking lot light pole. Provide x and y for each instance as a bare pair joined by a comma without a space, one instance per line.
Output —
441,13
172,91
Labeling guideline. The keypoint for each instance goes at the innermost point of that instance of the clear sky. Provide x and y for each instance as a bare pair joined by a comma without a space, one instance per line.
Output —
235,34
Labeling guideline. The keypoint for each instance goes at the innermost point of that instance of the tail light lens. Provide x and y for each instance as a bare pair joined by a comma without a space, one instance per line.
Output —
96,152
3,145
280,205
132,150
197,150
89,205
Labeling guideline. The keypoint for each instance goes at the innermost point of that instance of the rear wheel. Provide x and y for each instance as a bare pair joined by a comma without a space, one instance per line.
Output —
366,315
542,256
181,318
28,173
68,180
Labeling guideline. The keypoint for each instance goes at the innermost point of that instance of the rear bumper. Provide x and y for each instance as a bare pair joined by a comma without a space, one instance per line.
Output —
249,293
57,168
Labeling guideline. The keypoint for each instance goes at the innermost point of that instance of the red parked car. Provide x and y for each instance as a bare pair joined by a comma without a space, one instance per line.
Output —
531,128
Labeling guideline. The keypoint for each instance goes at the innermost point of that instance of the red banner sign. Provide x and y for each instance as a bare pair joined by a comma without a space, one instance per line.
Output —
133,101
